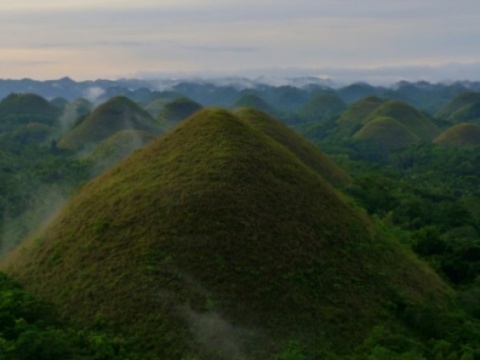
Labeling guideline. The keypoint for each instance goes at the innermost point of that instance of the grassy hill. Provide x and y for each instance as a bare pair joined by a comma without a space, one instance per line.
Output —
177,110
456,110
322,106
308,153
419,124
460,135
254,101
21,109
217,242
356,113
116,114
386,133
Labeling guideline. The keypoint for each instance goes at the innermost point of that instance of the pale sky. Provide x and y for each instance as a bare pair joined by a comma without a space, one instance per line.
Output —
89,39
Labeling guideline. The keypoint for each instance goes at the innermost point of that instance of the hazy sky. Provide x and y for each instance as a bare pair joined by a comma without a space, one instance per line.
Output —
87,39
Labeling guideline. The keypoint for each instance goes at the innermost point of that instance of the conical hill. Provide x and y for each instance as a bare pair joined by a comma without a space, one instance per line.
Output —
456,110
309,154
356,113
119,113
177,110
321,107
419,124
254,101
460,135
21,109
216,242
386,133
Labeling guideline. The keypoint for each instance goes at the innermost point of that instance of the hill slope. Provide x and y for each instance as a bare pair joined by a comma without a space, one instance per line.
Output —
217,242
308,153
460,135
116,114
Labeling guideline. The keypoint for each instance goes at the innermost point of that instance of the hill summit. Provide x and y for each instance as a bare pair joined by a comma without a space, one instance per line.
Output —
217,242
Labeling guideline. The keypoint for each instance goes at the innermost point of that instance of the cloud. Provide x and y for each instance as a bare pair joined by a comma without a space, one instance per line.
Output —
225,48
94,93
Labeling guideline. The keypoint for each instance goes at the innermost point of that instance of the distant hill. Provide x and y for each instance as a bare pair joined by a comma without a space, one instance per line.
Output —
218,242
177,110
32,133
308,153
254,101
117,147
357,91
287,98
73,114
114,115
463,107
386,133
321,106
156,106
21,109
356,114
415,121
460,135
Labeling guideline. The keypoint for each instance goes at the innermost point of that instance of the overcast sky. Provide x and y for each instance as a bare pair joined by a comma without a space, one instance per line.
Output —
89,39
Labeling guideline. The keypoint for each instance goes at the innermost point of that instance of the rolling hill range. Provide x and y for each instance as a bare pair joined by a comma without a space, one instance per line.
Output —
116,114
459,136
21,109
217,241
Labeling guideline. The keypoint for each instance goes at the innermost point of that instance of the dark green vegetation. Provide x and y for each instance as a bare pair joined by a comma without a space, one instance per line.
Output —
225,239
460,135
21,109
114,115
30,329
177,110
34,183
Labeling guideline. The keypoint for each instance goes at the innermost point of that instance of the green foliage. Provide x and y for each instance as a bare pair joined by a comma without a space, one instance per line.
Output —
30,329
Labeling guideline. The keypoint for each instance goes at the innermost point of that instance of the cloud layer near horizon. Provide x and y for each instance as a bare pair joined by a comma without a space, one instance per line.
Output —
102,38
